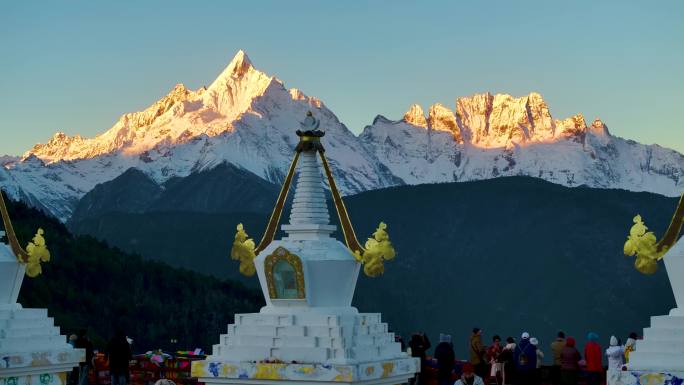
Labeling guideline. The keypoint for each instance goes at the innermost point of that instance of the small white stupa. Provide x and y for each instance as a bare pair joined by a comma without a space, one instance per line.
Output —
32,351
308,332
659,356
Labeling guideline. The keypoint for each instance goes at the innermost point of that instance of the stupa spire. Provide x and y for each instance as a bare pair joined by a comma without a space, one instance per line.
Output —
309,207
309,217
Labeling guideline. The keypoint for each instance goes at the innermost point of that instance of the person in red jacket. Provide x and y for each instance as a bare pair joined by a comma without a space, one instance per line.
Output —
569,359
593,357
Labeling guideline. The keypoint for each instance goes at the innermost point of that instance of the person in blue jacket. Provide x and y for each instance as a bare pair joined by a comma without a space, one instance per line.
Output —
525,360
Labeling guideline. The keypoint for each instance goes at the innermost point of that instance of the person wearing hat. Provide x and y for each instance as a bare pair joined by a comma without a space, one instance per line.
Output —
469,377
593,356
478,353
630,345
556,348
540,359
615,354
570,359
525,360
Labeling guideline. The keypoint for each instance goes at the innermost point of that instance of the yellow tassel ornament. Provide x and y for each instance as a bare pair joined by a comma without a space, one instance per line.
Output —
378,249
38,252
643,244
243,251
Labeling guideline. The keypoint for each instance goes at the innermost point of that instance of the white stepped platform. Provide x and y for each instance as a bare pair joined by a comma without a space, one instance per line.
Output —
31,347
645,377
32,351
308,348
662,347
307,338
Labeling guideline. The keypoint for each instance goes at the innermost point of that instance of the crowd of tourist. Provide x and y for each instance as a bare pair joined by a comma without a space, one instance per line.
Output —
508,362
519,362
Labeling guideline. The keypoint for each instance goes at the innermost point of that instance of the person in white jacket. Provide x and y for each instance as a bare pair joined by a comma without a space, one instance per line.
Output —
615,355
540,354
540,358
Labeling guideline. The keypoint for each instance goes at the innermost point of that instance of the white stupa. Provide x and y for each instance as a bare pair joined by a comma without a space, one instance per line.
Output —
32,351
659,356
308,332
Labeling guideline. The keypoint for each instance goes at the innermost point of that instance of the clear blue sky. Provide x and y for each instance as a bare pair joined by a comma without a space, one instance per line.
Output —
76,66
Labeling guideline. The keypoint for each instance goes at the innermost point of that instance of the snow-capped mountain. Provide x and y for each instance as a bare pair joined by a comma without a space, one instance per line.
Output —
244,117
498,135
248,119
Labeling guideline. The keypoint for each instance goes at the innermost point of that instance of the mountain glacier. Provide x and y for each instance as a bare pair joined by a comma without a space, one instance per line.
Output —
248,119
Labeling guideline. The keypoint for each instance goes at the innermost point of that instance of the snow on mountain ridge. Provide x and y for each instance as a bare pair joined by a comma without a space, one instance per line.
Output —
505,136
248,119
501,120
230,95
6,160
244,117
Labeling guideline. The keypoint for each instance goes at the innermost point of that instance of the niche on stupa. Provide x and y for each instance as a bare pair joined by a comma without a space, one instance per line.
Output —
284,275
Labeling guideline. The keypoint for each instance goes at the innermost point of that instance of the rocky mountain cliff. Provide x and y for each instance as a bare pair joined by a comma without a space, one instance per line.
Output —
248,119
489,136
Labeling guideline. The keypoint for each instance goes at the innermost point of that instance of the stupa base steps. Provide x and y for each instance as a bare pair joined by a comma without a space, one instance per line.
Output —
47,378
38,367
385,381
32,352
659,357
394,371
307,348
31,330
307,338
645,377
37,375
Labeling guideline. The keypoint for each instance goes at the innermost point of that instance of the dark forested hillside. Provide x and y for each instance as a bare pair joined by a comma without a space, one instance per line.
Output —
506,255
223,189
512,254
88,284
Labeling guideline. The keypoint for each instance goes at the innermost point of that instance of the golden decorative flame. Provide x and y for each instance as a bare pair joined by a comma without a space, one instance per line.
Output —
378,250
243,251
642,243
